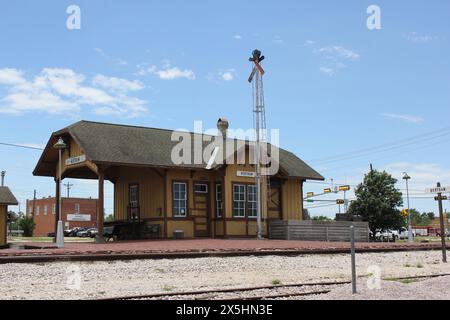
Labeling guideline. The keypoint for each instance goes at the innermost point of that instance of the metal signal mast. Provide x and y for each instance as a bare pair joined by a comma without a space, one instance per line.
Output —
259,117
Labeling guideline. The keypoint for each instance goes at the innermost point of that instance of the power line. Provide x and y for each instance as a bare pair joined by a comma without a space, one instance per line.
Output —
20,146
385,147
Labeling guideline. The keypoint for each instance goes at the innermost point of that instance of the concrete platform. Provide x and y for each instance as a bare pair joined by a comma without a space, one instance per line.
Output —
161,249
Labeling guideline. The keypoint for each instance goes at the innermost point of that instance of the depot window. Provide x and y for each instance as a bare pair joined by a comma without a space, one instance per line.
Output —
179,199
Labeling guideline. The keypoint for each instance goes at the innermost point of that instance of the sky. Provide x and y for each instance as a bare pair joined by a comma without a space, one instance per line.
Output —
342,95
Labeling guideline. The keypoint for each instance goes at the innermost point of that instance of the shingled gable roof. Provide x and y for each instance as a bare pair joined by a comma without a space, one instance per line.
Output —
6,197
132,145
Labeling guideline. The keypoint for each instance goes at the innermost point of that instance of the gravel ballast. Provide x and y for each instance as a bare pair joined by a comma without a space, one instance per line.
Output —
59,280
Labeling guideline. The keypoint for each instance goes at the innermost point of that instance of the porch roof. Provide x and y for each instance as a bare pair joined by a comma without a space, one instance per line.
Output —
6,197
114,144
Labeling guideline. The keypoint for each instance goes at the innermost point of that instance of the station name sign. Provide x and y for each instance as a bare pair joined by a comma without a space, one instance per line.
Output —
75,160
79,217
246,174
438,190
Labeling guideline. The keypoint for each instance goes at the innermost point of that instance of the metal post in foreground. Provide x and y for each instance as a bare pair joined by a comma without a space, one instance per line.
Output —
352,241
406,177
441,218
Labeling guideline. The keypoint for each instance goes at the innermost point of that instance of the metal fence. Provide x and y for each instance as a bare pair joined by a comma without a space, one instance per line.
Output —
318,230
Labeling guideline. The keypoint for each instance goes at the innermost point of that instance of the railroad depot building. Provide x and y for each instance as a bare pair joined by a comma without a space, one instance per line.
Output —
6,199
76,212
201,200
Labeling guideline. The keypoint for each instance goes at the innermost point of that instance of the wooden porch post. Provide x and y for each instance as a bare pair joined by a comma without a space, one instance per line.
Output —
100,206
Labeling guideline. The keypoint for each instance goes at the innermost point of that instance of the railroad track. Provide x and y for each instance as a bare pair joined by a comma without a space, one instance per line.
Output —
256,293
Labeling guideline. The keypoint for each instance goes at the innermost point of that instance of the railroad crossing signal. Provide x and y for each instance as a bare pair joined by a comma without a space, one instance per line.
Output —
340,201
344,188
310,194
327,190
256,58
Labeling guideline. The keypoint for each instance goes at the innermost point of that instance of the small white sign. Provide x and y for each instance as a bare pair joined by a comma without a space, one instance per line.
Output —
75,160
79,217
438,190
246,174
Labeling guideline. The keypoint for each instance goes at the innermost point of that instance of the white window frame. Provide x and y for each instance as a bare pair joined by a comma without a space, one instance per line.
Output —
37,210
45,210
255,202
54,209
240,192
134,189
77,208
219,201
180,200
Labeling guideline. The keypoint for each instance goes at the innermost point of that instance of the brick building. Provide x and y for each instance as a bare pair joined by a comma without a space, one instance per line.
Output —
76,212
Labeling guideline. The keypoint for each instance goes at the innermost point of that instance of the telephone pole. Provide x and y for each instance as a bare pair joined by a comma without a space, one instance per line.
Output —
69,186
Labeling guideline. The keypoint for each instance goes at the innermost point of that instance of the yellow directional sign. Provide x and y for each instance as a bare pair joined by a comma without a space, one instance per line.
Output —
404,213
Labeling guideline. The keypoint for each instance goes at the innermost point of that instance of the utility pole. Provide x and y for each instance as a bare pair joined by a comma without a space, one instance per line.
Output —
3,178
34,203
69,186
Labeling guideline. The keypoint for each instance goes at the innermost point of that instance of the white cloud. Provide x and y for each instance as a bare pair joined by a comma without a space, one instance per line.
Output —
334,52
309,43
332,68
62,91
423,175
10,76
415,37
403,117
118,61
117,84
227,75
167,72
237,37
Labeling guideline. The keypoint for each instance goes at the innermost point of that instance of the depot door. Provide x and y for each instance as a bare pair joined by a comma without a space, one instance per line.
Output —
200,212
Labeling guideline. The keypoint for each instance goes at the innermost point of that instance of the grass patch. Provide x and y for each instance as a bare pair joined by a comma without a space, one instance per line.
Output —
168,288
276,282
405,281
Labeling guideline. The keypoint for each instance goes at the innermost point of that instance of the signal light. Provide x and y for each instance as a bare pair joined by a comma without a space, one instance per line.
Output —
340,201
310,194
327,190
344,188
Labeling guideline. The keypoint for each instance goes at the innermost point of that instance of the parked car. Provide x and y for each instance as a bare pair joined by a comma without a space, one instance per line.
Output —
82,233
447,233
92,232
387,235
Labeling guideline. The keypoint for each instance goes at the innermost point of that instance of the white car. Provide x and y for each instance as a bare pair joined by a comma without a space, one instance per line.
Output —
386,236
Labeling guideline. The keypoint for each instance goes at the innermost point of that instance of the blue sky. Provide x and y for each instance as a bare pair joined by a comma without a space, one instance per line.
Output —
332,86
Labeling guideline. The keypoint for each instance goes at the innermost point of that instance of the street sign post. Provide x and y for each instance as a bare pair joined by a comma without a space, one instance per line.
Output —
440,190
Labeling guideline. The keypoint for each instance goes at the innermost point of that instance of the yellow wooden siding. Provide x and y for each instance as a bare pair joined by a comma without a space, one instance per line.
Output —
291,200
3,217
186,226
151,192
74,150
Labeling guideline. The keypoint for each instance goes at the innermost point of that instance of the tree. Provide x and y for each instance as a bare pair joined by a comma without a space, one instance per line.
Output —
109,218
306,215
378,201
421,219
321,218
27,225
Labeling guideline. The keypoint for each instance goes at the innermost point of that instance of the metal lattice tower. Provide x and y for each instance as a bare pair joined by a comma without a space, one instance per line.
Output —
260,125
